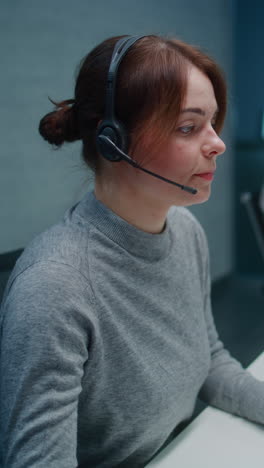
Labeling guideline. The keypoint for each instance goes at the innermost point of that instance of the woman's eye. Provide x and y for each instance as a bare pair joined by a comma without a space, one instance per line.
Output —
186,129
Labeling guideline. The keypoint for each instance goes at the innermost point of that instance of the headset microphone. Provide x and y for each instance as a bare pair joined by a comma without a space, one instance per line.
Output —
111,137
111,148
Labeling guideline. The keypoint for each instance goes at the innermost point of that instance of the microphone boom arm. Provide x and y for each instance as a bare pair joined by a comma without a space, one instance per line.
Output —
111,147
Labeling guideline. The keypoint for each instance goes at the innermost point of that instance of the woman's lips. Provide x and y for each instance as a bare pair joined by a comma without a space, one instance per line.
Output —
206,175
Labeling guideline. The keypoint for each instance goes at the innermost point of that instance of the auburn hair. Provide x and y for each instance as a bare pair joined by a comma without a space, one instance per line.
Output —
150,89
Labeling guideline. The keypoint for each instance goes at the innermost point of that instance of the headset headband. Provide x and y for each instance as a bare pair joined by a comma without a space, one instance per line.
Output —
121,48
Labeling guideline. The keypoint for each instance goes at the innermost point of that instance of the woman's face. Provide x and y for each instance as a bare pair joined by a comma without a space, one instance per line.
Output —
190,154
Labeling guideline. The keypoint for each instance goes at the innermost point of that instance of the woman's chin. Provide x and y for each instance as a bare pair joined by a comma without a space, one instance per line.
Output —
201,196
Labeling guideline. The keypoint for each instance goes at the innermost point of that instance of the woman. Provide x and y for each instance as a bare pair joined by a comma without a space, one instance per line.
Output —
107,331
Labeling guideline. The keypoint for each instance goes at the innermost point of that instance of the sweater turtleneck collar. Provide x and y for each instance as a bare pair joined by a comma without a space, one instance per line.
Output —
127,236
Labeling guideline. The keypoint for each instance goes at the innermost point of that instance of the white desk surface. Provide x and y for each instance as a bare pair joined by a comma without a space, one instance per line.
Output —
216,439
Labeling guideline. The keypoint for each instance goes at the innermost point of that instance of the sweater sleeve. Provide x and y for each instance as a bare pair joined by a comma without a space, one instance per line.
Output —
44,346
229,386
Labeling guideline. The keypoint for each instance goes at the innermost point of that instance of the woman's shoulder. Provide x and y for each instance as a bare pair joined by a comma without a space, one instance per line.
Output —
66,241
61,250
59,243
49,276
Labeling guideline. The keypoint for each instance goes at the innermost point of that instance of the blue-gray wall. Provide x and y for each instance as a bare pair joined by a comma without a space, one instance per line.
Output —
249,68
249,112
41,45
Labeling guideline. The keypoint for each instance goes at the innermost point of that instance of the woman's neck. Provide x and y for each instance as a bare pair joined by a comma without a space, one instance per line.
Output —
134,207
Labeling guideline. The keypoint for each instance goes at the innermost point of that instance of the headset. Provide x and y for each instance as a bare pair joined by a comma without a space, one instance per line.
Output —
111,136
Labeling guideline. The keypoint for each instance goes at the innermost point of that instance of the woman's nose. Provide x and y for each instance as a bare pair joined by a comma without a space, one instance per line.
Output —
214,146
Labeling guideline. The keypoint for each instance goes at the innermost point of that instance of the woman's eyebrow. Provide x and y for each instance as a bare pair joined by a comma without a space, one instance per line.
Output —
196,110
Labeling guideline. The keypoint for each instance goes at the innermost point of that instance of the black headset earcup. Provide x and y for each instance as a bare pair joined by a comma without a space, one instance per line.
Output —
116,133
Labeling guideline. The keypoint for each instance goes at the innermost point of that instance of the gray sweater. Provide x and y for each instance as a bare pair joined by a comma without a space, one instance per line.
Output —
107,338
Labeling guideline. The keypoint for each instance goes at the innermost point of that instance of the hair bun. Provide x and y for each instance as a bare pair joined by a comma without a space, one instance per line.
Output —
60,125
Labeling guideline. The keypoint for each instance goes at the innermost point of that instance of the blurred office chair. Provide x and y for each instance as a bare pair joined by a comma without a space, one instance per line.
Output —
7,263
251,201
